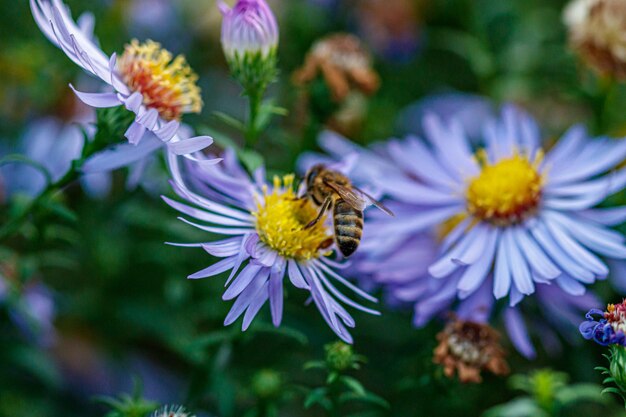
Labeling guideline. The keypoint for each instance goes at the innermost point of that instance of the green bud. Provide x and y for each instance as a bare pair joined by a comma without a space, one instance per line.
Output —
340,357
267,383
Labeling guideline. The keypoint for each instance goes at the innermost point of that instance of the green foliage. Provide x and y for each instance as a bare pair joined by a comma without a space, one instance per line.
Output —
549,395
126,405
340,389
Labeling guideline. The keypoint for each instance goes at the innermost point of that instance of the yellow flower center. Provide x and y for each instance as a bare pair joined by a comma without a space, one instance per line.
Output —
506,192
281,220
167,85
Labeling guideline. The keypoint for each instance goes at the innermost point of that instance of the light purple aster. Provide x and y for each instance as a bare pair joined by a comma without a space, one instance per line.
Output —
146,80
249,27
266,241
549,232
396,255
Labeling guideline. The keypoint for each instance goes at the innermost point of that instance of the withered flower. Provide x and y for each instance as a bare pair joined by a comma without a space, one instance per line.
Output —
597,32
344,64
469,348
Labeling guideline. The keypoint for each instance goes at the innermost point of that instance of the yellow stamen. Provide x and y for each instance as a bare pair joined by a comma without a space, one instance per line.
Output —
507,191
281,219
167,85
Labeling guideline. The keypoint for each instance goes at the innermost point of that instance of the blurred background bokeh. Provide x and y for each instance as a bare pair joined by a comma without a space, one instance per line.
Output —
95,300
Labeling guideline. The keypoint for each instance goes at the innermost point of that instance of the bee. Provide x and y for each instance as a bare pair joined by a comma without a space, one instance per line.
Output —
330,189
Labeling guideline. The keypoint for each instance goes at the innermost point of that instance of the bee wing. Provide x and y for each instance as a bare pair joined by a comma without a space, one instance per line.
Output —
375,202
357,198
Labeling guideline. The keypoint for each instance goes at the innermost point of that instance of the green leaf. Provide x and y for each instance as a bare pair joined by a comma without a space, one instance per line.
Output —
60,210
521,407
230,121
318,396
354,385
579,393
368,398
314,365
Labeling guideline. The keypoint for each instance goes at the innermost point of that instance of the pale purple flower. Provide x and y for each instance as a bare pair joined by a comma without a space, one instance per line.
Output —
265,241
53,145
512,212
397,254
470,110
158,97
30,306
249,27
550,315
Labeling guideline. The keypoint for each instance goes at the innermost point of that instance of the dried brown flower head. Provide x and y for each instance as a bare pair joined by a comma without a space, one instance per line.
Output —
468,348
344,64
597,32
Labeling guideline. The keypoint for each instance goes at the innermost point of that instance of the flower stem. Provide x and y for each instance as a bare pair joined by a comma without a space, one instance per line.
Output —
252,132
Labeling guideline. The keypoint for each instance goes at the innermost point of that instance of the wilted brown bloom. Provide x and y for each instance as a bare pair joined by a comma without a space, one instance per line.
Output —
597,32
344,64
468,348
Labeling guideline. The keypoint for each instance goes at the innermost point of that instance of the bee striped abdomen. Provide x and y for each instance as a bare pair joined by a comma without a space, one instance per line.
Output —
348,227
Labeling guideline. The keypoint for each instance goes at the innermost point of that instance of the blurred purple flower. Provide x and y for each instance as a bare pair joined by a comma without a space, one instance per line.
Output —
550,313
54,145
471,111
31,307
249,27
389,27
146,79
266,241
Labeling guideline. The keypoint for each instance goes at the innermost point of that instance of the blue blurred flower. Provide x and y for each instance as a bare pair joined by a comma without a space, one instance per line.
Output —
147,80
266,241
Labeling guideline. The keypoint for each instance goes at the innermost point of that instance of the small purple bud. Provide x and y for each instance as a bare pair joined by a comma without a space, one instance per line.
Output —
249,27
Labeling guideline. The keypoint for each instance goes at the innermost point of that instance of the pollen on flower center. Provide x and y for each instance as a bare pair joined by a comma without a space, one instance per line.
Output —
506,192
615,315
167,84
281,219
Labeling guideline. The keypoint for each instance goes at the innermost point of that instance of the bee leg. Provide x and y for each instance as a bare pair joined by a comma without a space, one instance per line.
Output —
323,209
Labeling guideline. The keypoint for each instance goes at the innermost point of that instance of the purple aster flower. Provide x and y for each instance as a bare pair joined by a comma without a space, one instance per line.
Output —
54,145
399,263
147,80
606,327
248,28
507,210
266,241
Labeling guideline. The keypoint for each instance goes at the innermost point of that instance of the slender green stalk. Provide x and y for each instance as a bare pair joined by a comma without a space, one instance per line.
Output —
252,132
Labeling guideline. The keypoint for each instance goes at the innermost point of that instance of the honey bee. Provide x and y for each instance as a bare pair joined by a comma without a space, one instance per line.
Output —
327,188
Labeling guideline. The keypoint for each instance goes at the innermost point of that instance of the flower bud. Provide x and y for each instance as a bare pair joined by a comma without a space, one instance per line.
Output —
249,27
249,41
267,383
340,357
